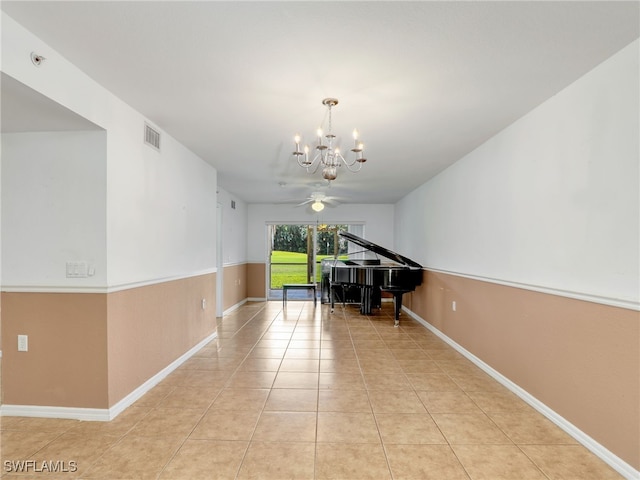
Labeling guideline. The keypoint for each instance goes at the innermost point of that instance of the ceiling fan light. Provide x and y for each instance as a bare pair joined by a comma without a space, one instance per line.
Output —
317,206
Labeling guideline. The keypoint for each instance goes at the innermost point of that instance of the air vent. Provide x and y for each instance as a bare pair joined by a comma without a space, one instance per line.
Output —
151,137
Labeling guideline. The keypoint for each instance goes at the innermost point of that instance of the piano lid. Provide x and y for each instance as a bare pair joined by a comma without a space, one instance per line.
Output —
396,257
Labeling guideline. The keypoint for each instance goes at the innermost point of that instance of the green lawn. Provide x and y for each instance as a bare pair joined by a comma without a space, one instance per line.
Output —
278,256
291,267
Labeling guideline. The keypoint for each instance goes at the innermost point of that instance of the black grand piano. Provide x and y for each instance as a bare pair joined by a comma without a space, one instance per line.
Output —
369,277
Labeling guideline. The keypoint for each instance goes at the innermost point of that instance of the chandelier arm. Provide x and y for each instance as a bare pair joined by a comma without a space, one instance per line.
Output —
351,167
314,165
300,163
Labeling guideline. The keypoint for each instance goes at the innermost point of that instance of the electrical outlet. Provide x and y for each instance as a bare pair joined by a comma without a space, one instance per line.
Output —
23,343
453,305
204,303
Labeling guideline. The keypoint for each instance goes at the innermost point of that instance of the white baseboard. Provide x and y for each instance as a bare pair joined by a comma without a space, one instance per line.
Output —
41,411
234,307
100,414
610,458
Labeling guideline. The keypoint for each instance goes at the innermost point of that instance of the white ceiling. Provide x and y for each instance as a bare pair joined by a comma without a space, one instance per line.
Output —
424,82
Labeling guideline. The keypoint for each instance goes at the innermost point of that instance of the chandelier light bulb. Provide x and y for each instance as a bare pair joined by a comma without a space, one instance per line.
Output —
306,161
297,139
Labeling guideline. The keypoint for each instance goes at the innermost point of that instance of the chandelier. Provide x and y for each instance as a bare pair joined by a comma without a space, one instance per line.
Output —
328,156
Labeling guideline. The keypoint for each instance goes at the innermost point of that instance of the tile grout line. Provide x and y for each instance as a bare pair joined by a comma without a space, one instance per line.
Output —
246,451
206,410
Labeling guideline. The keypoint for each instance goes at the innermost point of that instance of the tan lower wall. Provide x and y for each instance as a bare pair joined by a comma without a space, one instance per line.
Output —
66,363
151,326
256,278
91,350
1,350
234,289
579,358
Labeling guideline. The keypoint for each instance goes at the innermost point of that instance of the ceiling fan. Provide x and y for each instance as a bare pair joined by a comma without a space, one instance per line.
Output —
318,200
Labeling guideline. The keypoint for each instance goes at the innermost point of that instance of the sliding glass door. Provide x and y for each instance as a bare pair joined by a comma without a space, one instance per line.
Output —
296,251
291,256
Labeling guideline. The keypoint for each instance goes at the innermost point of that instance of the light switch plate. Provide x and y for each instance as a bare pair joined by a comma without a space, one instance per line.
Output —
77,269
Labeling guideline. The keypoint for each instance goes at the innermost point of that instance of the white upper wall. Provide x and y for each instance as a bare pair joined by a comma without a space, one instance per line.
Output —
161,213
234,231
552,201
53,207
160,207
377,221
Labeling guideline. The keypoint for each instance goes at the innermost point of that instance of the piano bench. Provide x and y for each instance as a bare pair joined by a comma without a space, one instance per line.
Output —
298,286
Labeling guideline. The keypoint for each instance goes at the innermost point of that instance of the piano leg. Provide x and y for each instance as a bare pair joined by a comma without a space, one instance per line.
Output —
365,301
332,295
397,304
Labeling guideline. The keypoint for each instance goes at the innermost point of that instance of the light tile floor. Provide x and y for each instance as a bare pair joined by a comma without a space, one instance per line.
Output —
302,394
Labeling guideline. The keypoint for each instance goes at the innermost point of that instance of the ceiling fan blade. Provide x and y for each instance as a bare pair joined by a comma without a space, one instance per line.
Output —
317,196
